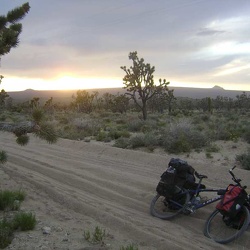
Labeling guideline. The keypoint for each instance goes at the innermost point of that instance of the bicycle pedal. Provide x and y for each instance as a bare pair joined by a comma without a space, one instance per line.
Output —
189,210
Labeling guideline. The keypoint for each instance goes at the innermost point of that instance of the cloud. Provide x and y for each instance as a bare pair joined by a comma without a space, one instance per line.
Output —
209,32
233,67
189,40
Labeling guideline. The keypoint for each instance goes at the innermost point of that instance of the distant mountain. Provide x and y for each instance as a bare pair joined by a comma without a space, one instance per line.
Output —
65,96
199,93
217,87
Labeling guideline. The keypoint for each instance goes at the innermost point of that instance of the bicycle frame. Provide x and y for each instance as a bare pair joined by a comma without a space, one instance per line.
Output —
193,205
196,192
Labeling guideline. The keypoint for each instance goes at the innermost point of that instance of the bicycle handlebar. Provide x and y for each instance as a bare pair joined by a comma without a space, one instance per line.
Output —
233,176
200,176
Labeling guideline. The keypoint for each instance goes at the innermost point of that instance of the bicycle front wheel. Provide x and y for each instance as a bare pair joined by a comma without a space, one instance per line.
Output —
166,209
223,229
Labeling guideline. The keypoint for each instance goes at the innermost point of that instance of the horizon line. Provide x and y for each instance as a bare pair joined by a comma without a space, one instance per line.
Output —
170,87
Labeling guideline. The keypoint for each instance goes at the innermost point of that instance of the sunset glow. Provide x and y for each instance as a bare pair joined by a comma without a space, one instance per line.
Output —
62,83
71,83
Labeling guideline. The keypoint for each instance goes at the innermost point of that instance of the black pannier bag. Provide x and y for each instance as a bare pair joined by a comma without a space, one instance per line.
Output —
177,175
185,173
166,186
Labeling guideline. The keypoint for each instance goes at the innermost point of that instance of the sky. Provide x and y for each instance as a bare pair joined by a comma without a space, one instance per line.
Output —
82,44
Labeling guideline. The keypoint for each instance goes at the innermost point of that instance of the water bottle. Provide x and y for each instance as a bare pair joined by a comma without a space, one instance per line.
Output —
197,200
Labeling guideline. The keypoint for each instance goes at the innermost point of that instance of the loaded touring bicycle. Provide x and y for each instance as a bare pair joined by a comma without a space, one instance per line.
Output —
178,193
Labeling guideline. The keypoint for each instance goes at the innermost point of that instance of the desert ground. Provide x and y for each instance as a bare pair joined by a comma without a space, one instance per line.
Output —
75,186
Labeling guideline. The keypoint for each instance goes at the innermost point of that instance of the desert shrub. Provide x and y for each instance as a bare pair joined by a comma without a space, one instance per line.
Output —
80,128
122,143
182,137
63,120
103,136
137,141
244,160
129,247
200,120
212,148
150,126
70,132
97,236
24,221
198,138
135,125
219,130
186,112
161,123
89,126
205,117
115,134
229,115
121,121
104,114
107,120
246,135
6,233
176,113
228,127
177,144
151,139
10,200
145,128
3,157
2,117
209,155
121,127
222,134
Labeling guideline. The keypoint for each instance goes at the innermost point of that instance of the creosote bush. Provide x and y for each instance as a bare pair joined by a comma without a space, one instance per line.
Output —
183,137
137,141
122,143
244,160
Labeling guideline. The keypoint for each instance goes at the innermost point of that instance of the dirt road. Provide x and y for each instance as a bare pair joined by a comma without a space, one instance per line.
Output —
74,186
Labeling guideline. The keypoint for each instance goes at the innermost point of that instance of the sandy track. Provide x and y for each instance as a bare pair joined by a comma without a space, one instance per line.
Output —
76,186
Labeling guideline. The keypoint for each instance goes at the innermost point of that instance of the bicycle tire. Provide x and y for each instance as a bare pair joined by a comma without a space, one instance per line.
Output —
162,208
217,229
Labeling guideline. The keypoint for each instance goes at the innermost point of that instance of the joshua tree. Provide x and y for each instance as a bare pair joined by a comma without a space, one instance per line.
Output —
10,30
139,82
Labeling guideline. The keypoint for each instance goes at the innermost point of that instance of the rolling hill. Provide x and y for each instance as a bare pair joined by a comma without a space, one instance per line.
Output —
66,95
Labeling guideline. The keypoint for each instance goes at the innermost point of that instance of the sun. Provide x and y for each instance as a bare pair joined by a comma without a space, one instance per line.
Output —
66,83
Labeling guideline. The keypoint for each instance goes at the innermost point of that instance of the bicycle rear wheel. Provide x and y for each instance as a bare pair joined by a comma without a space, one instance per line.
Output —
166,209
224,229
